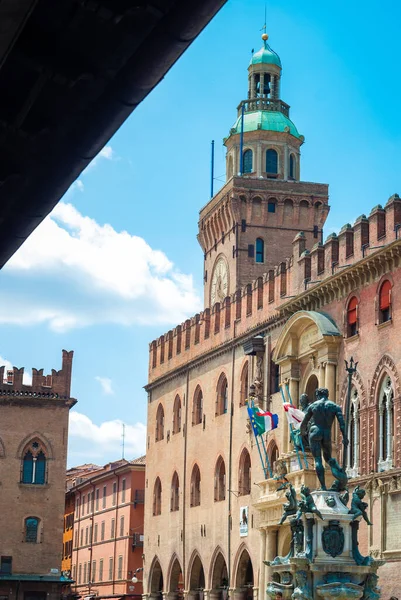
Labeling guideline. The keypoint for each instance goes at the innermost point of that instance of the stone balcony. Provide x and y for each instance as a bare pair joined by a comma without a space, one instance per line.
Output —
263,103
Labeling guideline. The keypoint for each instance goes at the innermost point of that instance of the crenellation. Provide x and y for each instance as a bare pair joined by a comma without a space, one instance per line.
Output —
377,224
361,236
330,253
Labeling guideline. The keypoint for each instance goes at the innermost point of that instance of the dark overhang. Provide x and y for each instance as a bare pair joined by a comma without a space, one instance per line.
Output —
71,72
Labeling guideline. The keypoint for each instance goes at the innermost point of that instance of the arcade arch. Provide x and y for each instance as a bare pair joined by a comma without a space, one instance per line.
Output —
244,580
156,580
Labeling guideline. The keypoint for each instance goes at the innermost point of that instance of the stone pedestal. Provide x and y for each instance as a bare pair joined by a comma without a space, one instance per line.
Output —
324,561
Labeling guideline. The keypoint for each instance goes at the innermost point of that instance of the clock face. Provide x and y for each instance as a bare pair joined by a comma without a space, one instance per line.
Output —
219,288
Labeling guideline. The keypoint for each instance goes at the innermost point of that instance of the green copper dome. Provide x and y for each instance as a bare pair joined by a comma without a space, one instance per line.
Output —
265,56
267,120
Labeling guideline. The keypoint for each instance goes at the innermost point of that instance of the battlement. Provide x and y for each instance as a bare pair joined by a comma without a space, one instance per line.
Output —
259,301
58,384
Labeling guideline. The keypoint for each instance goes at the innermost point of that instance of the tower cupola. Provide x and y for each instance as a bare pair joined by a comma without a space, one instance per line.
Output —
263,141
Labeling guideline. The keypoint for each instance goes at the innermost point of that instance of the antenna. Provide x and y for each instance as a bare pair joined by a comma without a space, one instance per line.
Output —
123,444
212,171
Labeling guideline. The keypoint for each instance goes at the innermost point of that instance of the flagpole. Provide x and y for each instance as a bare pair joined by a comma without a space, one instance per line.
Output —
300,437
291,431
351,369
260,454
267,461
249,410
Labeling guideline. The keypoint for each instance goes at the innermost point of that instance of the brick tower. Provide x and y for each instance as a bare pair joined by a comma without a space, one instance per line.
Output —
248,227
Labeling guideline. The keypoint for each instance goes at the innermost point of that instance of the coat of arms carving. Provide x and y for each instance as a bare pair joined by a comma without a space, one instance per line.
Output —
333,538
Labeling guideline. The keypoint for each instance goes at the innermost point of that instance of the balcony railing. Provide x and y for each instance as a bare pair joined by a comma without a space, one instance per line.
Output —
264,104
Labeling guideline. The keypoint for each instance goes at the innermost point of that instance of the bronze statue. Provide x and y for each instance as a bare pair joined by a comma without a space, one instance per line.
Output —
358,507
302,441
307,504
323,412
290,507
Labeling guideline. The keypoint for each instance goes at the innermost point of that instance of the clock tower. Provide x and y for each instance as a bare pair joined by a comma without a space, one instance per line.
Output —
248,227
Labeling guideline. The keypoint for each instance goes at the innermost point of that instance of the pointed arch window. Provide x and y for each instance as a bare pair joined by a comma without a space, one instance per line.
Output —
175,493
353,436
31,530
197,409
160,423
244,476
385,302
247,160
157,497
244,385
271,162
222,396
352,317
260,251
386,425
177,415
220,481
34,464
195,486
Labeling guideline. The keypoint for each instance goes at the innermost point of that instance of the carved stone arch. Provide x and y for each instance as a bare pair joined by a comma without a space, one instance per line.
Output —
196,573
386,364
218,568
2,449
284,541
358,384
240,567
155,578
173,573
36,435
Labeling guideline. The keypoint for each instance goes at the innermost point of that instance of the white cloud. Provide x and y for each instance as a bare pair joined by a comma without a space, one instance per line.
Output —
103,443
98,274
106,153
27,378
106,385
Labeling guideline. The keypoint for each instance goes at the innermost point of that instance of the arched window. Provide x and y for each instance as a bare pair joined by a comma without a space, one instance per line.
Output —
177,415
157,497
222,396
34,464
175,493
244,477
244,386
271,162
160,423
273,454
31,530
386,425
260,250
220,480
195,486
197,410
247,161
292,167
353,436
385,302
352,317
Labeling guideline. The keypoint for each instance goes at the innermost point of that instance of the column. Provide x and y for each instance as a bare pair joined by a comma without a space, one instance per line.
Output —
262,87
380,460
286,160
257,160
322,374
356,441
271,552
262,567
389,440
331,379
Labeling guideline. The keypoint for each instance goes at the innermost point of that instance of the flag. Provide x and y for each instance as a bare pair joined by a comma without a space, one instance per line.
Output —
295,416
261,421
266,421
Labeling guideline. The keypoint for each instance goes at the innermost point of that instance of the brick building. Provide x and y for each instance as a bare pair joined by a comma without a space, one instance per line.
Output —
279,305
108,530
33,453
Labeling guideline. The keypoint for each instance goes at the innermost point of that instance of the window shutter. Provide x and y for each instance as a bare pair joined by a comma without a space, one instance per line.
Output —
352,311
243,225
251,250
385,295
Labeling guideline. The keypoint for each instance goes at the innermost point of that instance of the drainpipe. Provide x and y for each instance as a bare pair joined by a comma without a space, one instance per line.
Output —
115,529
184,501
229,520
91,540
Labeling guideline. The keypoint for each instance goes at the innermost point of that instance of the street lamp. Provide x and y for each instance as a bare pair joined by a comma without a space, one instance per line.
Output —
135,578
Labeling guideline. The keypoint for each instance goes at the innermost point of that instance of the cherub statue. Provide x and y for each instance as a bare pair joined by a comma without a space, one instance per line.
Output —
290,507
307,504
358,507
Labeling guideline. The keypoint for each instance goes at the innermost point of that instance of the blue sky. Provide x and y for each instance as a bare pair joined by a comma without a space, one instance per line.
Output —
118,262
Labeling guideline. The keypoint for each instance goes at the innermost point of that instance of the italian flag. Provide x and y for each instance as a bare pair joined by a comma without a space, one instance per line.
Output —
265,421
